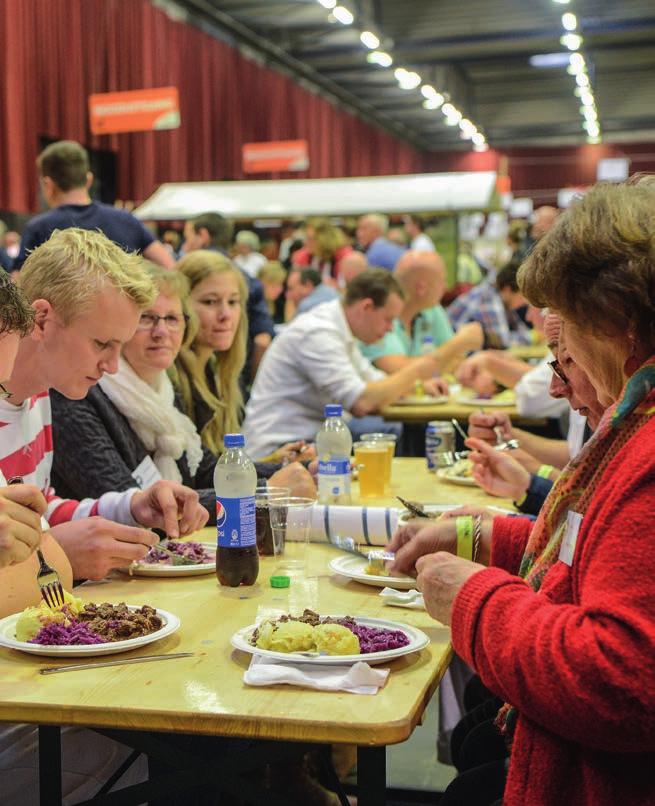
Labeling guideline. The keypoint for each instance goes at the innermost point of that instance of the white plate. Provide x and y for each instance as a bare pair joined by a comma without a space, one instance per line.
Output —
417,640
485,402
157,570
445,474
421,400
352,566
8,639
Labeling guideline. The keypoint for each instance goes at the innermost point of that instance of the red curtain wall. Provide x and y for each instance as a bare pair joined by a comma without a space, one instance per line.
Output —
55,53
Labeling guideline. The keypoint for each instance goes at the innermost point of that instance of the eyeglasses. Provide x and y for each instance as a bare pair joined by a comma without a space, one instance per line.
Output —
4,394
557,369
149,321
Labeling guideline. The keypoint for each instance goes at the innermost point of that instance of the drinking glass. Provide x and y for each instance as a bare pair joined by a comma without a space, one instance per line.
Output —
390,441
263,495
291,518
371,460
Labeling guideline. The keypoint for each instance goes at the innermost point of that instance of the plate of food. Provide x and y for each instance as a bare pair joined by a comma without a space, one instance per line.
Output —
80,629
360,570
504,398
184,558
329,640
421,400
460,473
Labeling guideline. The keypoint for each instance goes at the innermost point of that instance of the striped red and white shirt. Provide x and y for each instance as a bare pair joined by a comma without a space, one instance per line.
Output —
26,451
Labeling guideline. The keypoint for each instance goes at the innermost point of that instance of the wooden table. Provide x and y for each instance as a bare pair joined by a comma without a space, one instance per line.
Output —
450,410
205,694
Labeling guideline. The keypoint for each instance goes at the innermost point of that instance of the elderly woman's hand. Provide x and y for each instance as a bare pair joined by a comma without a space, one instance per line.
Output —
481,426
417,538
497,472
441,576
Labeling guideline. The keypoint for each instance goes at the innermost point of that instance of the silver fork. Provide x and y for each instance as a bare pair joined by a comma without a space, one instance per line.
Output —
47,578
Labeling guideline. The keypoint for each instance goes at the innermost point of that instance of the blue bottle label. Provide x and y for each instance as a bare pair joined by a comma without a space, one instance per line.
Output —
337,467
235,522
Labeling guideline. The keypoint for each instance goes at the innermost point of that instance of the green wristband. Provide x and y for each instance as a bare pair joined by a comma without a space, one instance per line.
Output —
545,471
464,531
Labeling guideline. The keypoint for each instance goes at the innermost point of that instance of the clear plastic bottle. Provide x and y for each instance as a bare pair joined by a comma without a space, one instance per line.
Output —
427,345
235,480
333,445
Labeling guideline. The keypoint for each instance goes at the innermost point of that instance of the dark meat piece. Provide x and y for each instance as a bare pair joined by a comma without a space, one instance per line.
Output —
118,622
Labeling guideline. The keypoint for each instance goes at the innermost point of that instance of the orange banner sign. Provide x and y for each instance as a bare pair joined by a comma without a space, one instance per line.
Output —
134,111
281,155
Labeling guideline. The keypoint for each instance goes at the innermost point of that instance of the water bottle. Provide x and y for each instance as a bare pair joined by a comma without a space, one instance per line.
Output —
235,480
333,446
427,345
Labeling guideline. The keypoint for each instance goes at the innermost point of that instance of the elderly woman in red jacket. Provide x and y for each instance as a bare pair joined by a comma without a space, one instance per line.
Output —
558,618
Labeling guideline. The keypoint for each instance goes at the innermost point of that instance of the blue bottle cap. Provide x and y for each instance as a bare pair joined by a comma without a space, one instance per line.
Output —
234,441
333,410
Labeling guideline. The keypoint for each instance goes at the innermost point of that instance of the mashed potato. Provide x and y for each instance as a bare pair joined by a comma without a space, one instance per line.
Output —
32,619
335,639
286,636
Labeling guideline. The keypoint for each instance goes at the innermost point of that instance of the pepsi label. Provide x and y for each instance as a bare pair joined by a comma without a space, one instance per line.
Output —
235,522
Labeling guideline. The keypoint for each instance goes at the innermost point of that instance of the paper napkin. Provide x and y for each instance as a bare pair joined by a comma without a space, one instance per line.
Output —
411,599
359,678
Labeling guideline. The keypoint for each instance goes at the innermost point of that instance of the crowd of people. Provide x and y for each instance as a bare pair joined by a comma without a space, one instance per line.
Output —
126,360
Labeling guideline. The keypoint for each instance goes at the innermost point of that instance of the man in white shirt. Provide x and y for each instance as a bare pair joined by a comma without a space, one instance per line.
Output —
418,240
248,257
316,361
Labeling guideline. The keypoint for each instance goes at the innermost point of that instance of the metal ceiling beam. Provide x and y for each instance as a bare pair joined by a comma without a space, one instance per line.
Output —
276,56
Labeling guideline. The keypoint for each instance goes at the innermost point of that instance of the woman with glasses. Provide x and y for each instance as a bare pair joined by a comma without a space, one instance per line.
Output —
130,430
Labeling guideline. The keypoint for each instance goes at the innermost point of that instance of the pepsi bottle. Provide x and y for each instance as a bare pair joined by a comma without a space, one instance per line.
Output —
235,480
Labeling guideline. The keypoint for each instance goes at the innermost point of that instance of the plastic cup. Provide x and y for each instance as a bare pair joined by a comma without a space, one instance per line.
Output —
390,441
372,461
291,518
263,495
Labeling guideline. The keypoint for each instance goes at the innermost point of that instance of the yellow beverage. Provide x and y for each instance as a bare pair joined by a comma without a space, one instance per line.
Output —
389,441
373,461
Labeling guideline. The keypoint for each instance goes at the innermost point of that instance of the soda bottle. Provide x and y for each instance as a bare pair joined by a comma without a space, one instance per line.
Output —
333,446
235,480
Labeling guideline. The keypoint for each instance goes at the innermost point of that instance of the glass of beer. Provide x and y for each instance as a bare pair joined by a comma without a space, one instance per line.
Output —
371,460
389,440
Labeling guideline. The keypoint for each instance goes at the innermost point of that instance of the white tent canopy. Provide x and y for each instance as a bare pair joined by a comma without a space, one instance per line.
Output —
295,198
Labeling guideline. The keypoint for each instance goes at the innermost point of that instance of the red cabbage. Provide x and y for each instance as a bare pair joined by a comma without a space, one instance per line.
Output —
73,634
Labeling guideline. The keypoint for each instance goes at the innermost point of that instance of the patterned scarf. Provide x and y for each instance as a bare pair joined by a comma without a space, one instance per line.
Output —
577,484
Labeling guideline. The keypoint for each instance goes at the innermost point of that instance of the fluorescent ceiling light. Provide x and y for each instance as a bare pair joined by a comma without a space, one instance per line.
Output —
478,139
379,57
562,2
453,120
547,60
582,80
594,140
428,91
433,103
569,21
482,147
586,98
370,40
328,3
344,16
589,112
468,129
570,41
407,79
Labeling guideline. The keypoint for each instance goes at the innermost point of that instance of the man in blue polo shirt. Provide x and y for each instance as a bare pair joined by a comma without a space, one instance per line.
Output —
65,179
372,238
423,327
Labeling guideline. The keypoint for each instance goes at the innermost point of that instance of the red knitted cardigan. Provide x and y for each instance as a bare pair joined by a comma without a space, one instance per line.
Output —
577,659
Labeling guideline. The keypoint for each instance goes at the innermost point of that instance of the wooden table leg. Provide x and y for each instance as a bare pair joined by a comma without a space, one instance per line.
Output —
371,776
49,765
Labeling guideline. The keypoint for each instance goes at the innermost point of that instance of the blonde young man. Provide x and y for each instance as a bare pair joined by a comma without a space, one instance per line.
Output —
87,295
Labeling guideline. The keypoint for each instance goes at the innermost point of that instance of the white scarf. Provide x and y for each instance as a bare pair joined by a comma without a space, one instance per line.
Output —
151,412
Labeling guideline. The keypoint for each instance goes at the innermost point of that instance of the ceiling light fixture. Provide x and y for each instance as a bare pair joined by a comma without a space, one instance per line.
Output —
433,103
328,3
569,21
582,80
478,139
345,17
408,79
379,57
570,41
482,147
369,39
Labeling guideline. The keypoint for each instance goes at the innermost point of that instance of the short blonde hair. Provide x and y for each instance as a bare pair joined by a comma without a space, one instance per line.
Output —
74,265
272,272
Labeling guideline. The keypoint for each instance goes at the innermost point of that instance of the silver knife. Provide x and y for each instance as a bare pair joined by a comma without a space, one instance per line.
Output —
348,544
122,662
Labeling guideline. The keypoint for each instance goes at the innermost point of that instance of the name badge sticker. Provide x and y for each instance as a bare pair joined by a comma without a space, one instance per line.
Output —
567,550
146,473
